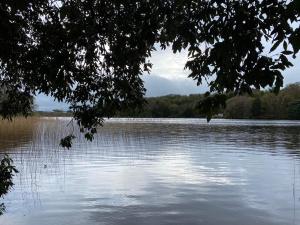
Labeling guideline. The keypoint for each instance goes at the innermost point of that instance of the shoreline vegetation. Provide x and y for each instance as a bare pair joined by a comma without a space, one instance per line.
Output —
261,105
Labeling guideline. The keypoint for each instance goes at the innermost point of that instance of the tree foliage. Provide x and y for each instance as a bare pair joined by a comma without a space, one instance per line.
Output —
7,171
256,109
92,53
294,110
239,107
170,106
266,105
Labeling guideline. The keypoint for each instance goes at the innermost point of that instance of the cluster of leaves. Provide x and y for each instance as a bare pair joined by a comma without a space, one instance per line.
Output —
14,102
67,141
7,171
212,104
92,53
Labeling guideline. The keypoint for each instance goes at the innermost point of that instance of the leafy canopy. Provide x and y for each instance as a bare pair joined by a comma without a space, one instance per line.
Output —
92,53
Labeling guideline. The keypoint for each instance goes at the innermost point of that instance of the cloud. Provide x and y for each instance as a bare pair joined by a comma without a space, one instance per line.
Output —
169,65
158,86
47,103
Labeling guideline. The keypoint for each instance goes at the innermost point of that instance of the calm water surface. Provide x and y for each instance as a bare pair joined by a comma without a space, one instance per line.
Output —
155,171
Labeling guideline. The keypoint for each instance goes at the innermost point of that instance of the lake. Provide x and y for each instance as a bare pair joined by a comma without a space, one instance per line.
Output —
154,171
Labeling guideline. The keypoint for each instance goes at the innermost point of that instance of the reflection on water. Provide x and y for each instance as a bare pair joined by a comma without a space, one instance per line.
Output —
152,171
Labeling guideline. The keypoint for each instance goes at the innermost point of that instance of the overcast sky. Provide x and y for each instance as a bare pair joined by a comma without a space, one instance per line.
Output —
168,77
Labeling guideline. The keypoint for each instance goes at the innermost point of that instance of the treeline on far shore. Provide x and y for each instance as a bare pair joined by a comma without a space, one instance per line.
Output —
266,105
260,105
54,113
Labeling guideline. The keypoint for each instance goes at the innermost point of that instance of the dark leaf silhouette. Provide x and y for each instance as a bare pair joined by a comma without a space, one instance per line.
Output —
66,142
7,172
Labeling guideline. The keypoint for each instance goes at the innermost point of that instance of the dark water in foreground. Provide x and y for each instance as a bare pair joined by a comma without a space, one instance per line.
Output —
152,172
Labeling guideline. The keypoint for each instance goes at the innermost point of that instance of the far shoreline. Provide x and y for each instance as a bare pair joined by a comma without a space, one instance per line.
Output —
41,114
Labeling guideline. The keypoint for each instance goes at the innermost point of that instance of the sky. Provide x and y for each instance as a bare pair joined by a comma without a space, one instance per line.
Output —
168,77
